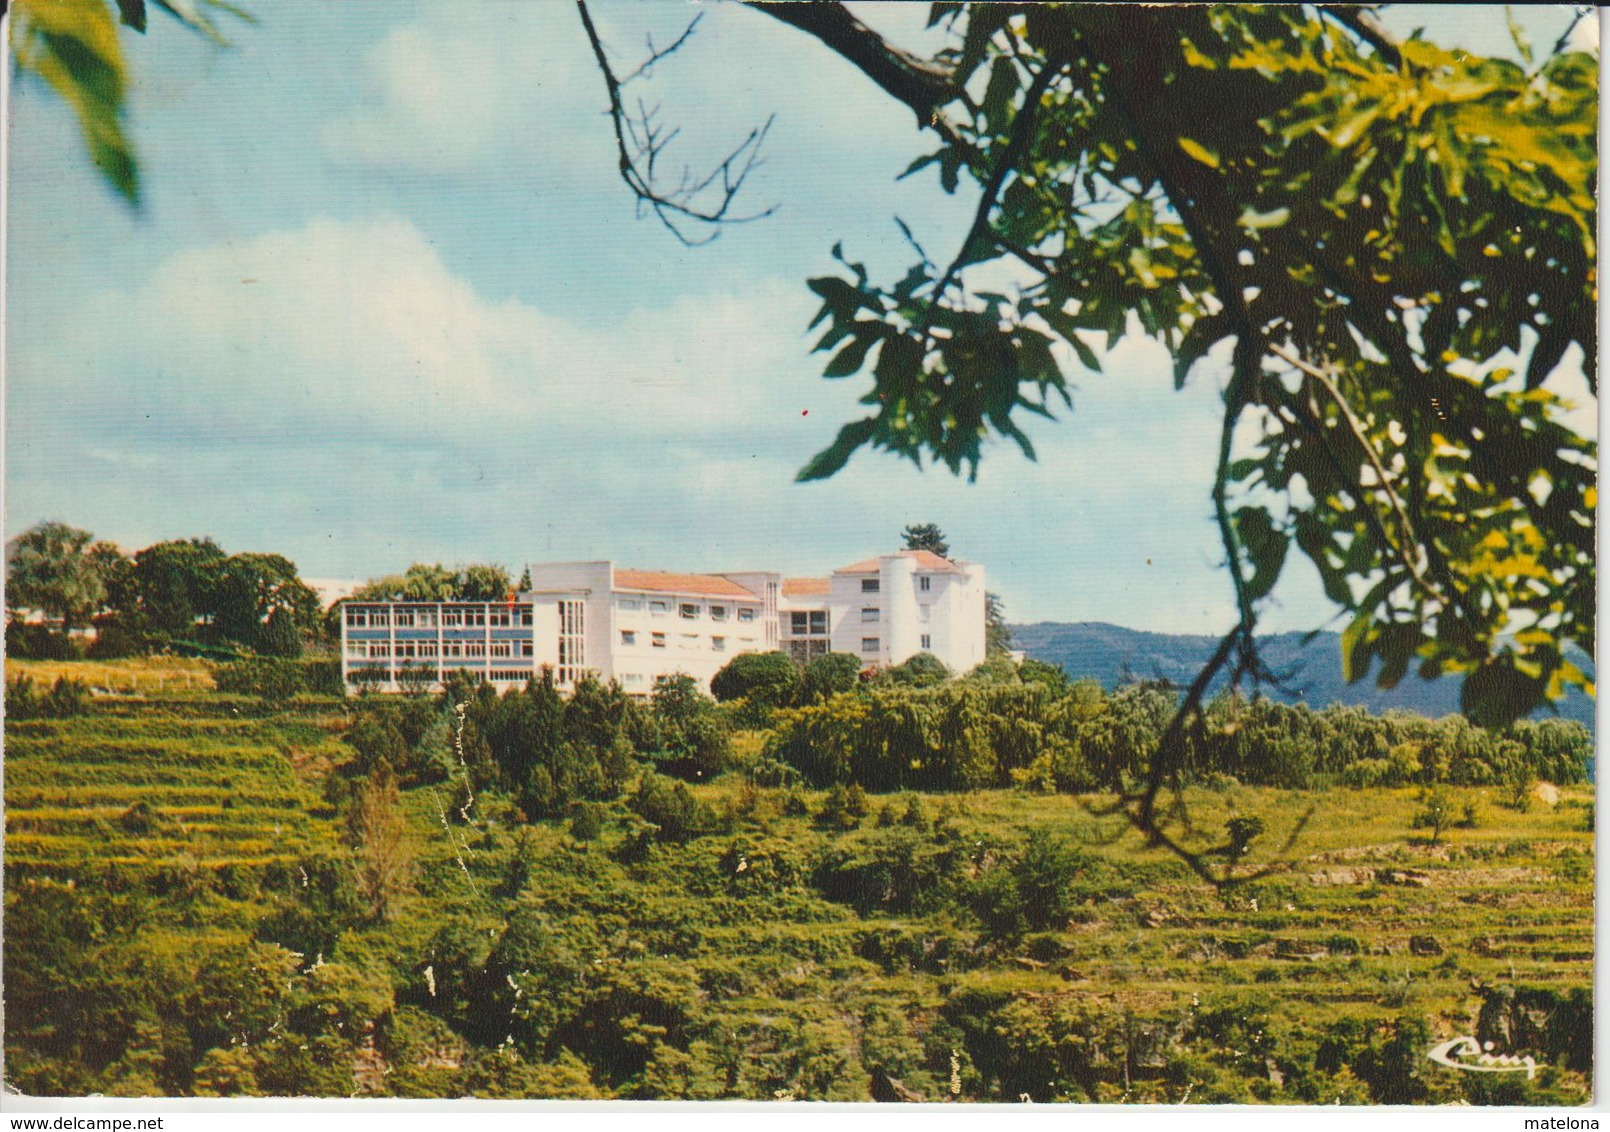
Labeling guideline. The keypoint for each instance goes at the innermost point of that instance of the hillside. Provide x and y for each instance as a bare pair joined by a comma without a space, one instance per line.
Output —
1310,666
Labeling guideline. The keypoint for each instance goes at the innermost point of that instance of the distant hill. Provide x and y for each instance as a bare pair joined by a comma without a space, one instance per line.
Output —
1312,671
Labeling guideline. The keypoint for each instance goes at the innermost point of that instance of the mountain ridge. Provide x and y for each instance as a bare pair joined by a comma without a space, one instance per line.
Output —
1308,665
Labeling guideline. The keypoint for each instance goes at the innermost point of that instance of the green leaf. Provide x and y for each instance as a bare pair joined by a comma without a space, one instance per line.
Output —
1253,220
1265,547
132,13
1356,646
1199,152
849,359
832,458
73,47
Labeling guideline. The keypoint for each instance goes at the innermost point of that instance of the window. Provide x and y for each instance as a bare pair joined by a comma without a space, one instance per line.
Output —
689,612
745,613
378,619
925,583
379,649
525,615
502,648
452,648
572,642
405,619
629,605
527,648
869,644
357,649
688,641
500,618
634,679
659,608
869,585
719,643
658,640
475,648
813,621
869,614
427,649
927,642
476,617
425,618
628,637
358,618
718,613
405,648
452,618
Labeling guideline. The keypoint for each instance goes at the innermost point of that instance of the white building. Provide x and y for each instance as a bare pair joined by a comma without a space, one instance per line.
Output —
637,626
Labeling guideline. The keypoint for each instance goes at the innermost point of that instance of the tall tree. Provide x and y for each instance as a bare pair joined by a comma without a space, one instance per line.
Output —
483,582
997,633
252,588
54,568
926,536
178,582
377,834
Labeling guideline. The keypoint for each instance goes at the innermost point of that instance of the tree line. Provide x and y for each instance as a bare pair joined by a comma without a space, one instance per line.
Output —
189,594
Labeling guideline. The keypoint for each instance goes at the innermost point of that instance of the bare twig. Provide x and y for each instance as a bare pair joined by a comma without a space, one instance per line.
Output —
641,141
654,56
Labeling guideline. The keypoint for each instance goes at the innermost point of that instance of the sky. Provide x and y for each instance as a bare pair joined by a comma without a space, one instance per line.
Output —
386,300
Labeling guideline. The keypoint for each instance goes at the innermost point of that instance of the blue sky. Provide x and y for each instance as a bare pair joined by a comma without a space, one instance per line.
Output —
387,301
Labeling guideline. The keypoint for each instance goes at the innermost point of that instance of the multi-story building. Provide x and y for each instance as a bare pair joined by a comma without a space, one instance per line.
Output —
637,626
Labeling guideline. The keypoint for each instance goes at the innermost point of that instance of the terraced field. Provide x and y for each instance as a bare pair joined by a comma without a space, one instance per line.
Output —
148,791
158,861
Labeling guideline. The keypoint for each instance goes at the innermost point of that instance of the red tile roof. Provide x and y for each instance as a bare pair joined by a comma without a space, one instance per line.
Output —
658,581
805,587
925,559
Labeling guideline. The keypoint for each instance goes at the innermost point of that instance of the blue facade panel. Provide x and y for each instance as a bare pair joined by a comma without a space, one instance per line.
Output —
368,634
511,634
416,634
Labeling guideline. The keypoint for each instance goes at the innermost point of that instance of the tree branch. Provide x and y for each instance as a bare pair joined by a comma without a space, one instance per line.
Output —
912,80
1361,22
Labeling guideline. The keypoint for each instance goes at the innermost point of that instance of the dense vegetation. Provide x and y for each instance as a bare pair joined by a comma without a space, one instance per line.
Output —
534,895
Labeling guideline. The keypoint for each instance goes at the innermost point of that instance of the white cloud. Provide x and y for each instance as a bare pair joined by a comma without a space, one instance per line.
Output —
467,84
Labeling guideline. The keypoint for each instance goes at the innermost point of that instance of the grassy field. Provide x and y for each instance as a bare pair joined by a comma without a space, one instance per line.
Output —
773,956
164,675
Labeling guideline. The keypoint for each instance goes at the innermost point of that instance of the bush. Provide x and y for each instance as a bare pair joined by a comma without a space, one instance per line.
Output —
765,679
828,675
323,677
275,681
37,642
66,698
669,807
922,671
1033,891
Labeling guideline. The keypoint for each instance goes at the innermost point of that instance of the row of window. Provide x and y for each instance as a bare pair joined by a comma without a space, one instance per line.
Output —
629,639
496,675
468,617
687,610
429,650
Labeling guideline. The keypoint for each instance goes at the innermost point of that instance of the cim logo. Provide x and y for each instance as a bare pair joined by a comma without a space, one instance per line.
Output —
1471,1056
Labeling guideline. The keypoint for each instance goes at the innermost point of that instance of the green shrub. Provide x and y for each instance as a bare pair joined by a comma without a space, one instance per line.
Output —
67,698
274,681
